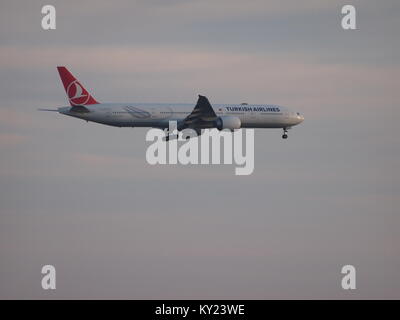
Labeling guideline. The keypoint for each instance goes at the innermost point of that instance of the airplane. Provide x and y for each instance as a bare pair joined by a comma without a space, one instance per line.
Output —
197,116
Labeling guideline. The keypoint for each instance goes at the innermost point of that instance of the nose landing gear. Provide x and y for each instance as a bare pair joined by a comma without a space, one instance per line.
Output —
284,136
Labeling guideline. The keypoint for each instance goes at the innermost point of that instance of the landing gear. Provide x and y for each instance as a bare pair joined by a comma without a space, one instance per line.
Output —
284,136
170,136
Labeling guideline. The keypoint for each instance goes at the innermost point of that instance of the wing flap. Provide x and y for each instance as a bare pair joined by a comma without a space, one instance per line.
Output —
42,109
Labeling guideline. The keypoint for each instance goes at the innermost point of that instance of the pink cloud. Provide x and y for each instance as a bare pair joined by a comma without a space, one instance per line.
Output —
14,118
10,139
307,85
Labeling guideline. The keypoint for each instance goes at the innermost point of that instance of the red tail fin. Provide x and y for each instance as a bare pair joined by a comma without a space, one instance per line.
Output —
76,93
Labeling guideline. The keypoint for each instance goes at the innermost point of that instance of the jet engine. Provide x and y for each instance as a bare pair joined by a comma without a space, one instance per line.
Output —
228,122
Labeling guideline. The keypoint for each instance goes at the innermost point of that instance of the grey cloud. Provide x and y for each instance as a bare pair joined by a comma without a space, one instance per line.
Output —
81,196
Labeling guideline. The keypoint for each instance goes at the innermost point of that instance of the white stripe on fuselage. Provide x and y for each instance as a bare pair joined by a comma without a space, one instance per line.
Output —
158,115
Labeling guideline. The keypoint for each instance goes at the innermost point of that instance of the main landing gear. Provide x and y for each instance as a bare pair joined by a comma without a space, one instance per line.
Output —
284,136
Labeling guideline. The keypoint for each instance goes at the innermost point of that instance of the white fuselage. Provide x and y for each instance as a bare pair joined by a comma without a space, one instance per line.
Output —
159,114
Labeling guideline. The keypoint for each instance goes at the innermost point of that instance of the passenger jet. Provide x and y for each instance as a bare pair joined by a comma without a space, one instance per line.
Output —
195,116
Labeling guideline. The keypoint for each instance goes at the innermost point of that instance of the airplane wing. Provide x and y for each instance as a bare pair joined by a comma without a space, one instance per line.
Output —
203,115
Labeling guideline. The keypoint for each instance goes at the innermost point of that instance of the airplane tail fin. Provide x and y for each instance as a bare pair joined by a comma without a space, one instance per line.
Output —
76,93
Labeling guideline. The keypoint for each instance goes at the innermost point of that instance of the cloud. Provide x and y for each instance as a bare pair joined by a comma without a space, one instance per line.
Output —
226,76
324,197
101,161
10,139
129,167
230,9
14,118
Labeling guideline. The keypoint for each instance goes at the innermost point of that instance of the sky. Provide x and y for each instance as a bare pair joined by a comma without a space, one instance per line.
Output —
81,196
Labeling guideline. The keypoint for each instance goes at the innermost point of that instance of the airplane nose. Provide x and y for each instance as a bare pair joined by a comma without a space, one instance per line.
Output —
300,118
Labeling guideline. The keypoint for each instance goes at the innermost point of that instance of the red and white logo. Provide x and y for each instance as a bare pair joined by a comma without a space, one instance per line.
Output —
77,95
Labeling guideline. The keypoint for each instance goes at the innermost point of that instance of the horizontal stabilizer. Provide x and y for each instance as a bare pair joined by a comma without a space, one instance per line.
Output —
47,110
79,109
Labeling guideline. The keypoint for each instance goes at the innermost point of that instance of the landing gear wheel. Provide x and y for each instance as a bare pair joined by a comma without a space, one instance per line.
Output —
284,133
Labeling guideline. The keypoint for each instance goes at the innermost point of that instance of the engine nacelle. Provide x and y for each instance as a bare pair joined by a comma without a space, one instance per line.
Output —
228,122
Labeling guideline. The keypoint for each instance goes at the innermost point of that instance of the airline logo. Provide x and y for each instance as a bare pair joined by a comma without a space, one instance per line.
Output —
77,95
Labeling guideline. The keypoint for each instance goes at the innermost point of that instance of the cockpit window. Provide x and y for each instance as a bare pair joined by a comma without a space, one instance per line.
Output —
298,113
